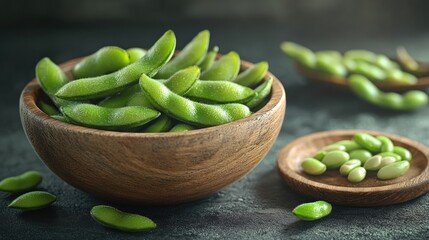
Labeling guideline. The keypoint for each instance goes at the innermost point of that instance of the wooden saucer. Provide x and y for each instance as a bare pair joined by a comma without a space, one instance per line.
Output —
339,82
334,188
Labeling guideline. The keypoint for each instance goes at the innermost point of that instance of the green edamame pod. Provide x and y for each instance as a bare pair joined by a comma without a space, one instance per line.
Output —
61,118
189,111
209,59
252,76
47,108
393,170
105,60
360,55
162,124
370,71
33,200
385,63
121,99
193,52
363,88
261,93
396,76
225,69
96,87
368,142
220,92
116,219
135,54
21,183
415,99
403,152
184,80
312,211
94,116
313,166
300,54
333,55
326,64
386,144
181,127
320,155
139,99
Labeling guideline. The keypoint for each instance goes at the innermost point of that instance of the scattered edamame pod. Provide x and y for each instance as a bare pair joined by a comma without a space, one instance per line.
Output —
190,55
335,159
356,175
219,92
94,116
181,127
161,124
33,200
225,69
47,108
209,59
113,218
301,54
404,153
393,170
386,144
348,166
135,54
262,93
312,211
368,142
361,154
106,60
21,183
313,166
252,76
102,86
187,110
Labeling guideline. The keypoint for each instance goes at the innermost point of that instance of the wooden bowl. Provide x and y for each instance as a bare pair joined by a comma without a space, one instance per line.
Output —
341,83
152,168
333,187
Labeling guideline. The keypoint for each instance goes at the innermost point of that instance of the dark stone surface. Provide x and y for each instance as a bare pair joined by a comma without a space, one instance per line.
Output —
259,205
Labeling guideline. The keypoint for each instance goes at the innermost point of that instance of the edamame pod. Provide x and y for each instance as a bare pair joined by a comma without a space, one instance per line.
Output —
363,88
393,170
370,71
21,183
403,152
135,54
357,175
161,124
106,60
181,127
252,76
47,108
327,64
312,211
94,116
184,80
191,54
139,99
368,142
209,59
101,86
226,68
61,118
220,92
333,55
396,76
415,99
386,144
189,111
262,92
361,55
300,54
121,99
33,200
385,63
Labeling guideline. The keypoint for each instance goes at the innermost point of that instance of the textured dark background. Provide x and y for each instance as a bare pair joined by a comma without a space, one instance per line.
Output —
259,205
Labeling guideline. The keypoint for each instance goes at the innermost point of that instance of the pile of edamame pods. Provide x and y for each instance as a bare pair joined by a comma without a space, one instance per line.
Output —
152,91
363,153
362,68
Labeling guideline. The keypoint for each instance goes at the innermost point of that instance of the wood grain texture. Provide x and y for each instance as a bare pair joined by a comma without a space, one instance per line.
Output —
341,83
152,168
333,187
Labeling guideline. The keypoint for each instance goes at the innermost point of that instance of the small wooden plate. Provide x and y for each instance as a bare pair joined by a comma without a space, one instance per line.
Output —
334,188
338,82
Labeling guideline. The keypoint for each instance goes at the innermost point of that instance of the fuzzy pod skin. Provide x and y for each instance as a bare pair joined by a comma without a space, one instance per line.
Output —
262,93
209,59
21,183
312,211
191,54
187,110
102,86
121,99
47,108
33,200
252,76
106,60
224,69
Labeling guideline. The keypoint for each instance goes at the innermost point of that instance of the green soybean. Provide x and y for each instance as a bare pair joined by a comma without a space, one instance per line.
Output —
161,124
334,56
61,118
368,142
209,59
33,200
220,92
226,68
191,54
21,183
253,75
312,211
386,144
106,60
47,108
361,55
335,159
393,170
349,145
181,127
348,166
385,63
391,100
370,71
300,54
187,110
356,175
262,93
361,154
334,147
329,65
313,166
374,163
320,155
415,99
135,54
403,152
364,89
391,154
396,76
94,116
101,86
113,218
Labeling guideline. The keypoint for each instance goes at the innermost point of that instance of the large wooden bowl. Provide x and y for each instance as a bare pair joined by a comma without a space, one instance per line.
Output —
152,168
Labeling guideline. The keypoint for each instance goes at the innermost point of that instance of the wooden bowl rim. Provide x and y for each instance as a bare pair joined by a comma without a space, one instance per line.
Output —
422,82
28,99
293,175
